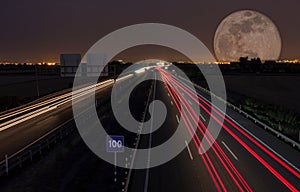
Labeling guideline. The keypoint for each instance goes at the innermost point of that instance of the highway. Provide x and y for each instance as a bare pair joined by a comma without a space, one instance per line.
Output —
244,157
20,128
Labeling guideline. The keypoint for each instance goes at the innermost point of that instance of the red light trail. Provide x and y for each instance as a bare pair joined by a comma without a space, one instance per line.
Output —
174,86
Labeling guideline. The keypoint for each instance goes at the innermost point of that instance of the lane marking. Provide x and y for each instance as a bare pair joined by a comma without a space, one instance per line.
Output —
202,117
177,118
188,148
168,94
250,133
150,140
126,164
135,149
190,102
171,102
115,166
230,151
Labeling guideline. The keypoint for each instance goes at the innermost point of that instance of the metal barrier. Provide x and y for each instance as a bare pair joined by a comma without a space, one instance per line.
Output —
266,127
27,153
36,148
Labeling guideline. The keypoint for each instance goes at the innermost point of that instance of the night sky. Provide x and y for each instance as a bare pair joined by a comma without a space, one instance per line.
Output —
40,30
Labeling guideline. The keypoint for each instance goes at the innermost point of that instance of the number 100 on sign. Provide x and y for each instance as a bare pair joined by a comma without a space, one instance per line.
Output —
115,143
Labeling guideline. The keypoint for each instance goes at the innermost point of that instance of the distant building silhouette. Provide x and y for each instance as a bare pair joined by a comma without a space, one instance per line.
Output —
255,65
243,59
246,65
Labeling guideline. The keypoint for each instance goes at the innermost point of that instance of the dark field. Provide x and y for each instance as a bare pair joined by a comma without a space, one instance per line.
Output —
277,90
26,85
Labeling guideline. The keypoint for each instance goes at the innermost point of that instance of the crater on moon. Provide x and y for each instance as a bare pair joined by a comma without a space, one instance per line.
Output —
247,33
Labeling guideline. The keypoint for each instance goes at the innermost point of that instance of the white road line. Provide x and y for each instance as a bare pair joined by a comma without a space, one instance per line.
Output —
250,133
188,148
230,151
115,166
190,102
168,94
202,117
135,149
150,141
171,102
177,118
126,164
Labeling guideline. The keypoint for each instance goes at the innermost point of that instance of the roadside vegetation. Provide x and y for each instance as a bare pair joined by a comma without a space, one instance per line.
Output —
279,118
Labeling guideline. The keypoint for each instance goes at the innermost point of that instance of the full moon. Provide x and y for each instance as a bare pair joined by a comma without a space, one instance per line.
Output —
247,33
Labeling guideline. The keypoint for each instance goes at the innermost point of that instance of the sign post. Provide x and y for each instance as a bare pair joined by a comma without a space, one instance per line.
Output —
115,144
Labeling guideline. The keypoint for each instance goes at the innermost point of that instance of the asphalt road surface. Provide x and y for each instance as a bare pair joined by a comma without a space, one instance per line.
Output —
187,172
244,157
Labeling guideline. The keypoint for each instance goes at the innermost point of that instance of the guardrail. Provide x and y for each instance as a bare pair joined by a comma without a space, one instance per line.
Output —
248,116
277,133
36,148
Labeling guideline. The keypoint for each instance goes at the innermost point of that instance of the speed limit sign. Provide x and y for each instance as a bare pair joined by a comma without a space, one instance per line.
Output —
115,143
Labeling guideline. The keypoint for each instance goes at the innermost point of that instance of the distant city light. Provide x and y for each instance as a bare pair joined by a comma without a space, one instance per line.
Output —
160,63
121,61
51,64
222,62
289,61
29,63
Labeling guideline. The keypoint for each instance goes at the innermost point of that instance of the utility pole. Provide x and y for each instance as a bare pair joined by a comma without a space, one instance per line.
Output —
37,81
279,126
